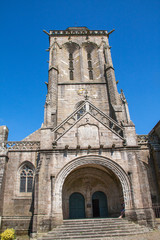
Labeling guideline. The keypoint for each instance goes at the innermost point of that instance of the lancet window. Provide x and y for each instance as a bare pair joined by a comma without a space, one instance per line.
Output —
90,69
26,179
71,68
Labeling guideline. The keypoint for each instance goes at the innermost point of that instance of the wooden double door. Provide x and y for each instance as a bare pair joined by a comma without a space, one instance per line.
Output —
77,205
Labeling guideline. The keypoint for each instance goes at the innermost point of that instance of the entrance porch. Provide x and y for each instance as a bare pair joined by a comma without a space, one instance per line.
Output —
91,192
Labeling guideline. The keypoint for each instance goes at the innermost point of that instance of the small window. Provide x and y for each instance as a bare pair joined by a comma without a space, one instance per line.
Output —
26,179
70,64
89,64
90,69
90,75
70,56
88,56
71,75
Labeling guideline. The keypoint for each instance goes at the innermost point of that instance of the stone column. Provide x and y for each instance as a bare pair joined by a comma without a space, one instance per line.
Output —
56,214
110,75
114,99
52,201
35,213
50,116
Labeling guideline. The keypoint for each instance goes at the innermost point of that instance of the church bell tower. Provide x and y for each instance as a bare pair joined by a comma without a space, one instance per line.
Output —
81,68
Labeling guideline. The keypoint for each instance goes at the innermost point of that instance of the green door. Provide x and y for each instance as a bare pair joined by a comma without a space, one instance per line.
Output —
99,205
76,206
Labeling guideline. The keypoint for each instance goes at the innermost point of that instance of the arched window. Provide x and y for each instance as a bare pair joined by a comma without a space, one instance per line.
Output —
89,64
88,56
90,69
71,75
71,67
90,75
70,56
26,179
71,64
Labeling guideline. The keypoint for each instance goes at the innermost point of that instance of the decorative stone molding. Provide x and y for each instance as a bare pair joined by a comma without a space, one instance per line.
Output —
85,108
22,145
96,161
78,32
142,139
148,139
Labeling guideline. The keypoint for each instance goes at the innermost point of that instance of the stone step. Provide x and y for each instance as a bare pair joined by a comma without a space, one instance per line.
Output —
92,223
90,236
105,224
94,229
97,228
97,225
92,220
110,231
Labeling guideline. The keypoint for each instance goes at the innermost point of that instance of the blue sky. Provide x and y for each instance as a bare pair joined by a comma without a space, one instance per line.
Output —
23,59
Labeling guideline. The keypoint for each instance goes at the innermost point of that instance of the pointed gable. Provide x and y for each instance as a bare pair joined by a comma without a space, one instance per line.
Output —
88,126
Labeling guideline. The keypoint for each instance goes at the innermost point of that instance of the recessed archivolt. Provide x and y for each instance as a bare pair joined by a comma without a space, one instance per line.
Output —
95,160
71,46
89,46
86,173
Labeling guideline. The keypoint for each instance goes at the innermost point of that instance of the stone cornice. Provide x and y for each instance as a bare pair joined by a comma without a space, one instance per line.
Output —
91,149
78,32
22,145
79,83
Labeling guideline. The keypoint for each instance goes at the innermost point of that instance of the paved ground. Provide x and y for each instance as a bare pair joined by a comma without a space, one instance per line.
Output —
154,235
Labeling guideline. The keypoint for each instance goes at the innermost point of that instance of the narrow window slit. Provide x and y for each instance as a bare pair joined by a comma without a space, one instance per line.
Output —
71,67
90,69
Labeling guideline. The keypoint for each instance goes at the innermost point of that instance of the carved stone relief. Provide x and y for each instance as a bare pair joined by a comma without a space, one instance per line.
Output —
88,135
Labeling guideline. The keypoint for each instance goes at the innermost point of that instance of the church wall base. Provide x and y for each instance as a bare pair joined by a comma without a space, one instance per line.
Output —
44,224
141,216
22,226
56,221
146,217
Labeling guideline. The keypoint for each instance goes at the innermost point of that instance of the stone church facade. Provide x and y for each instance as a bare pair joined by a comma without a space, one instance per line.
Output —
86,159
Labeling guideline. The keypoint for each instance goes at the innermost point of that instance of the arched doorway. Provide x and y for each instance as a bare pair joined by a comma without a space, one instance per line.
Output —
94,183
76,206
65,178
99,205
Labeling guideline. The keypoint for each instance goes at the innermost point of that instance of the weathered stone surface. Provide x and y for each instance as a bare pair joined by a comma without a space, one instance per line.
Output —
87,144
